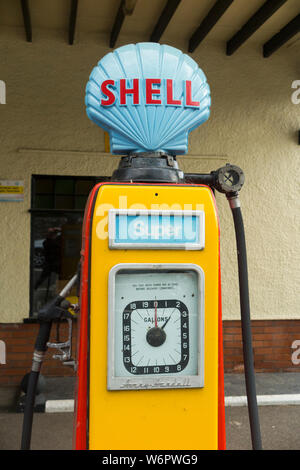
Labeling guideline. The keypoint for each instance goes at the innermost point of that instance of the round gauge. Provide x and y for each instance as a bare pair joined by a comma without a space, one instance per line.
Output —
155,336
156,324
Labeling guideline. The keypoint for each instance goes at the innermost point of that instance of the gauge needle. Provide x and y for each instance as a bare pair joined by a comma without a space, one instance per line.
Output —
155,314
162,327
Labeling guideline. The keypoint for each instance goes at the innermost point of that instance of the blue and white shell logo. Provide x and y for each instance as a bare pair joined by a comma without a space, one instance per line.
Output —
148,97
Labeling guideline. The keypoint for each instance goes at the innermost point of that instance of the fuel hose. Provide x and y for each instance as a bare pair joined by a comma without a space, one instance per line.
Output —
234,203
50,312
38,356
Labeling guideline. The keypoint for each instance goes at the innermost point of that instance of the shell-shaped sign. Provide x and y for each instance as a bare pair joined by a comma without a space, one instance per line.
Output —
148,97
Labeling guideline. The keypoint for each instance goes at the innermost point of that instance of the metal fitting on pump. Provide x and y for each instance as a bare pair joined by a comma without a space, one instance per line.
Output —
234,200
229,180
147,167
37,360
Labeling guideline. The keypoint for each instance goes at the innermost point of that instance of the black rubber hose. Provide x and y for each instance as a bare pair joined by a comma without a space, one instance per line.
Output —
50,312
195,178
246,328
40,347
28,411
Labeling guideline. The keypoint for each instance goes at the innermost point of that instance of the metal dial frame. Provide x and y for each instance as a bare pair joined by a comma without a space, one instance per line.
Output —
167,376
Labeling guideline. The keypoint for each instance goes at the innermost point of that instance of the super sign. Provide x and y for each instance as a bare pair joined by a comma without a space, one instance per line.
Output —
149,97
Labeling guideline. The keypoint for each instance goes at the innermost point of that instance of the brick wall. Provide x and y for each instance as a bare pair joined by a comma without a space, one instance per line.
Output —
20,339
272,344
272,341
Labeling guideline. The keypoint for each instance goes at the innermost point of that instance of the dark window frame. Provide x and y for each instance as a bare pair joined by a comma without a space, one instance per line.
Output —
39,212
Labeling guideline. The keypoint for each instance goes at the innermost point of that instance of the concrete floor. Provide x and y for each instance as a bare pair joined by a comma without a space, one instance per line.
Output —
60,388
279,424
279,428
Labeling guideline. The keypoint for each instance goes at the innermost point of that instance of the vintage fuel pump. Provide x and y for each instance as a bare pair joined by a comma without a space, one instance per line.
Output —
150,354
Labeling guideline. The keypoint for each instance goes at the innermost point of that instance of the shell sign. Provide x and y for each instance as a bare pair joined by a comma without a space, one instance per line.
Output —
148,97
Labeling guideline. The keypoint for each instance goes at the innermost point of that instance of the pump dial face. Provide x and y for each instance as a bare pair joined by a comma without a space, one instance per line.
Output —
155,336
156,326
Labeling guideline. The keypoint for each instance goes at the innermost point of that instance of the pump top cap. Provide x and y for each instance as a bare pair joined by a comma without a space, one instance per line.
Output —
148,97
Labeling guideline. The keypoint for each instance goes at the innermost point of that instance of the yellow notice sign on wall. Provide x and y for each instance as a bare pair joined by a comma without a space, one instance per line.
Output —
11,191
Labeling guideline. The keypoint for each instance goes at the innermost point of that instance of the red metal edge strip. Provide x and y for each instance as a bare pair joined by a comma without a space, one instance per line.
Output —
221,397
221,394
80,425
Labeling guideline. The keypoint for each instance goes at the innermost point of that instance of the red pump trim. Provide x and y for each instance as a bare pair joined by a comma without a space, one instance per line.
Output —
221,395
80,427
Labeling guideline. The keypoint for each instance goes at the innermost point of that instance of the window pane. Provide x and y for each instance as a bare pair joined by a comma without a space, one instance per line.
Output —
44,185
64,186
63,202
80,202
43,201
84,186
56,253
56,239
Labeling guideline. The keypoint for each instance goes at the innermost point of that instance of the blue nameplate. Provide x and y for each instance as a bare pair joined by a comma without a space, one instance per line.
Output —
154,229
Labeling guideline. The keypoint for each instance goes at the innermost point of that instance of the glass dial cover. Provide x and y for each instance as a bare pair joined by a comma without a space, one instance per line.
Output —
156,327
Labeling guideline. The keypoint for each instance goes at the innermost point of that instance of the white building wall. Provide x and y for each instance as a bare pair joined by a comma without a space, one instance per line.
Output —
253,124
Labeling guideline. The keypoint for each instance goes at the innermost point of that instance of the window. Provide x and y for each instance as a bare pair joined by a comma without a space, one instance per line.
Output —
57,209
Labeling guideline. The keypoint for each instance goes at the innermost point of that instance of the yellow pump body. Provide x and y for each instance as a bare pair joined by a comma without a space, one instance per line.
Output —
139,415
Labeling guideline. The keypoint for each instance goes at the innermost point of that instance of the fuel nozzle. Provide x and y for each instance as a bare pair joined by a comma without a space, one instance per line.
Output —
64,347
